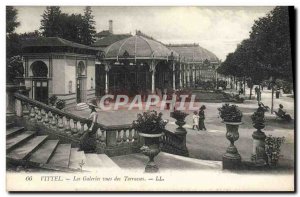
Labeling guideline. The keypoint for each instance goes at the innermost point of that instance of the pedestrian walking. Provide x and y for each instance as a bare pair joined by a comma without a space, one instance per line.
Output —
256,90
196,120
202,118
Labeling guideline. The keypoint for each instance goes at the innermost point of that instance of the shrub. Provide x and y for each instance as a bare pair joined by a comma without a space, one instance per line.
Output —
230,113
258,117
52,100
178,115
60,104
149,122
272,148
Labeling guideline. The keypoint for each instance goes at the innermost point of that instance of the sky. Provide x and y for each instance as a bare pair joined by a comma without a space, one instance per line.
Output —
218,29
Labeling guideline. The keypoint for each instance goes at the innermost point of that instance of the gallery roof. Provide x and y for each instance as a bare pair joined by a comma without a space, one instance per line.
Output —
54,42
193,52
138,47
109,39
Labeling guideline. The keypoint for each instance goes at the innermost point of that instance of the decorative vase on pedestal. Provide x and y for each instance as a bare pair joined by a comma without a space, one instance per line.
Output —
180,117
232,158
259,155
180,124
151,150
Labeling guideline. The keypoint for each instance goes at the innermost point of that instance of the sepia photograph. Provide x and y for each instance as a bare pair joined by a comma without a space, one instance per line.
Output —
150,98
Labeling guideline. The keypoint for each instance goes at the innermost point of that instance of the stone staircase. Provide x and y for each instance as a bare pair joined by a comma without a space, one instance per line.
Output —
26,148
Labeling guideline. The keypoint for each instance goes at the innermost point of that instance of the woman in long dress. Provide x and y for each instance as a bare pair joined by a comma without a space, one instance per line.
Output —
89,142
202,118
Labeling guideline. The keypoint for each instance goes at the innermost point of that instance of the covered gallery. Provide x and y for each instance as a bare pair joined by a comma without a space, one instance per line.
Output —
132,64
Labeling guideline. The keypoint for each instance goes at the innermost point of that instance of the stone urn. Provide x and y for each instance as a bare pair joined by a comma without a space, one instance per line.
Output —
151,149
259,156
179,116
232,158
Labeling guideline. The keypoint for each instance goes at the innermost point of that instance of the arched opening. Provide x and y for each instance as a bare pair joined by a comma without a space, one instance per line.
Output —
39,81
81,69
81,82
39,69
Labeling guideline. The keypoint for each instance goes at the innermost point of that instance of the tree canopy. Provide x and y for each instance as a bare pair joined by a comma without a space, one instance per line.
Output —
11,19
74,27
267,53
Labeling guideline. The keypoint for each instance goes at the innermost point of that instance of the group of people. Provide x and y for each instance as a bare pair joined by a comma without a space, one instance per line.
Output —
198,119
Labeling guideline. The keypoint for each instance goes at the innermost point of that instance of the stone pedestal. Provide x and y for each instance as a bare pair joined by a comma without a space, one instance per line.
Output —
232,158
258,153
10,100
151,149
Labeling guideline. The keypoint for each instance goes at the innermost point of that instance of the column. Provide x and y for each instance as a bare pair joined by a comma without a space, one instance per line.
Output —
152,70
188,76
107,68
194,74
184,75
174,85
180,75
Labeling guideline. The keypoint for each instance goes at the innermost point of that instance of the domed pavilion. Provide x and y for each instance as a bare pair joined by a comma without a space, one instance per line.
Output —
137,65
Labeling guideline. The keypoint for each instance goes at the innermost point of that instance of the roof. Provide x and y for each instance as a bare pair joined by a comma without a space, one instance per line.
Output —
137,47
103,33
110,39
54,42
193,52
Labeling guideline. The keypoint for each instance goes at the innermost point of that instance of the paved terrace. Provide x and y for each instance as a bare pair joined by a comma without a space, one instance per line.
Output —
211,144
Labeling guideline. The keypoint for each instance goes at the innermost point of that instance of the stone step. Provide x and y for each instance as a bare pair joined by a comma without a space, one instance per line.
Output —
92,161
18,139
61,157
45,152
13,131
165,162
81,106
25,150
9,125
107,162
77,158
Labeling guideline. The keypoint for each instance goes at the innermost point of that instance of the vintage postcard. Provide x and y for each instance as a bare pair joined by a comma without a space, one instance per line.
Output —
108,98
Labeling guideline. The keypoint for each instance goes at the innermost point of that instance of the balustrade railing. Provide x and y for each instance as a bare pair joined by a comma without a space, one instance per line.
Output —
107,137
174,143
51,117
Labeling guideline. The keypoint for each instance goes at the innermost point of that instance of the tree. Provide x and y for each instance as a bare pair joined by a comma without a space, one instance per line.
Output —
51,25
72,27
88,27
271,35
267,53
11,19
14,69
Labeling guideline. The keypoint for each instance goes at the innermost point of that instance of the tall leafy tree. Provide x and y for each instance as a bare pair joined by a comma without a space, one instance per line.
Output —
51,25
267,53
72,27
271,35
14,67
88,27
11,19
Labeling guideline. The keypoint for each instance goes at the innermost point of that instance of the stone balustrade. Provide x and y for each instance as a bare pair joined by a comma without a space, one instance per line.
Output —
112,140
174,143
53,118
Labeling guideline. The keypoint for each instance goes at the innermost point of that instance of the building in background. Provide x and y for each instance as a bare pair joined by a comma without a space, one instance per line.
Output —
55,66
200,65
116,64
